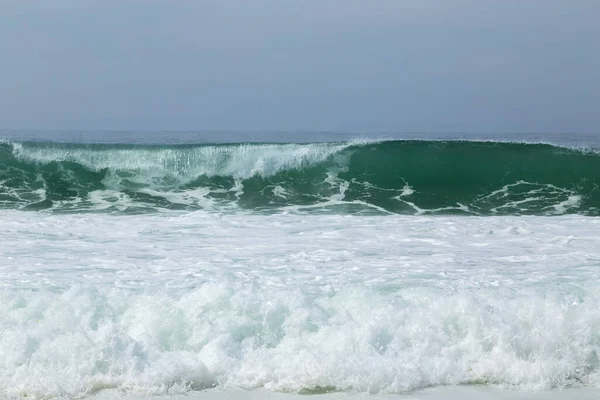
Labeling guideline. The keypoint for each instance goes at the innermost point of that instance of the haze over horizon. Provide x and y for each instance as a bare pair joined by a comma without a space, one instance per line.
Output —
385,66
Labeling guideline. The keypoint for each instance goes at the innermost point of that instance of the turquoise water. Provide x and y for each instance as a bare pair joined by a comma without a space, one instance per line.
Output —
360,176
165,264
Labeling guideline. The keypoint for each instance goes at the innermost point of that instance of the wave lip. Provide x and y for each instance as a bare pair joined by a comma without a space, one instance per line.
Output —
364,177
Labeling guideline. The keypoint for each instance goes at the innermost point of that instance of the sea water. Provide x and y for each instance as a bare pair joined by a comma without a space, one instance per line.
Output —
169,264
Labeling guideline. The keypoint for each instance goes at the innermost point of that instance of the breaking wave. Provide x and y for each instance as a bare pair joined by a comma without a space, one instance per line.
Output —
403,177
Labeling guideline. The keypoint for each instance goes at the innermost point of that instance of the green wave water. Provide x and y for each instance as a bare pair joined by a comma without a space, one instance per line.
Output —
378,177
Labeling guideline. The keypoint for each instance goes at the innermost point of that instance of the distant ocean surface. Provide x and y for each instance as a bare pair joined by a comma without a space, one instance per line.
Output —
171,263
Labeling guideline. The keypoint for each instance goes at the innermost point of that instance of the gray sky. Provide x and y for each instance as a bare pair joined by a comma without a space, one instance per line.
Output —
370,65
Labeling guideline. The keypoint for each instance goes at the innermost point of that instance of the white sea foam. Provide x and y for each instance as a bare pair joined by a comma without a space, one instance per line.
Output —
239,161
169,303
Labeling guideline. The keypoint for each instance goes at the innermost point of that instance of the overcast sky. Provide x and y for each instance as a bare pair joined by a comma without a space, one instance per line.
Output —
369,65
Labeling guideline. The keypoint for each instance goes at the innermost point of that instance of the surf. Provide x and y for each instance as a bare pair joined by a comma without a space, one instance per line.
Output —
356,177
165,305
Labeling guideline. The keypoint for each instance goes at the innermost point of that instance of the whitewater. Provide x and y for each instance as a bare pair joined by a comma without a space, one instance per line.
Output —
422,268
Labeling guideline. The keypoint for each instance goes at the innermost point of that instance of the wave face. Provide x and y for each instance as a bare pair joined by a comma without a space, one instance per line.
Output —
403,177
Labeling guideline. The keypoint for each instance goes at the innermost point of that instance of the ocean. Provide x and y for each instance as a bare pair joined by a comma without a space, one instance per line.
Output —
270,265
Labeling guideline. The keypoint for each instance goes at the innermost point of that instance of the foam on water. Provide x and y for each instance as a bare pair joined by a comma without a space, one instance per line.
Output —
165,304
240,161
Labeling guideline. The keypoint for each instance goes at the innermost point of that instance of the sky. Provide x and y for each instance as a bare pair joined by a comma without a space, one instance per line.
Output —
315,65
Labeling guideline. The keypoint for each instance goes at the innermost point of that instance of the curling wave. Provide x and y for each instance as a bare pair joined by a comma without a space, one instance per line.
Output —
405,177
